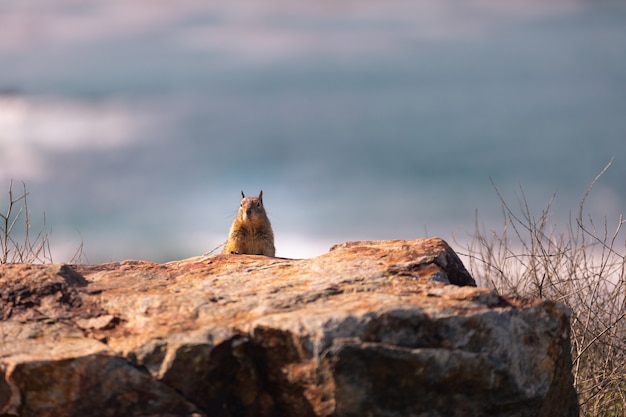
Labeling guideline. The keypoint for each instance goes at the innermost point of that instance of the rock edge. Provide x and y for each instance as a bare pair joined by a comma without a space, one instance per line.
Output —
370,328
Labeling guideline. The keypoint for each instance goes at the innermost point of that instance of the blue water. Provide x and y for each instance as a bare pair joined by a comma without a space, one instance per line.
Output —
356,125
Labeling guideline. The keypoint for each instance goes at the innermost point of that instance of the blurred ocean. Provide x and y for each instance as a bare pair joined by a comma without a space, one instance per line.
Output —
136,125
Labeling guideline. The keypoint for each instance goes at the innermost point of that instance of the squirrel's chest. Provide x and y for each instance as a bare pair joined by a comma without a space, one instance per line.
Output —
250,235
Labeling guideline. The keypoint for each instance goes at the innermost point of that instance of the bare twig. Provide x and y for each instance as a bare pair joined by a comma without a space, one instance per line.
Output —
215,248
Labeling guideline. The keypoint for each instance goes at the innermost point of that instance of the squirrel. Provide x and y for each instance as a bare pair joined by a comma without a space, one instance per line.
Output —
251,232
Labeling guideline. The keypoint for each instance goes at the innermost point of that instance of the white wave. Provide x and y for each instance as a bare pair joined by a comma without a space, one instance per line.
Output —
31,128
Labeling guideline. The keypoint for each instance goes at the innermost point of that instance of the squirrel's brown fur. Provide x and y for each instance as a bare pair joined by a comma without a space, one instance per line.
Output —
251,232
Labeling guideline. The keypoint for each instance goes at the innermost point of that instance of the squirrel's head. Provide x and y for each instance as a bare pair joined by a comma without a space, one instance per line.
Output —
251,208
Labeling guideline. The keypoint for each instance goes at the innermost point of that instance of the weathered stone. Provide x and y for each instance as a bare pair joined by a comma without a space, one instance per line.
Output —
370,328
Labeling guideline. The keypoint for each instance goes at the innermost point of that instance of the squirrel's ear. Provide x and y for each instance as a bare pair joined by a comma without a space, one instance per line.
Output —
261,195
243,195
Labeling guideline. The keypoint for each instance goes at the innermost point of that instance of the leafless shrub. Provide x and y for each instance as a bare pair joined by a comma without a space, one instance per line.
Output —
17,244
582,266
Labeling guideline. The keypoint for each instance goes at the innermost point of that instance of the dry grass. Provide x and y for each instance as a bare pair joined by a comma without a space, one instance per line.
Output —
582,266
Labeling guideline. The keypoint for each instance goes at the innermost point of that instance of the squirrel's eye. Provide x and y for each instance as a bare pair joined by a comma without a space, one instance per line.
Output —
258,204
240,204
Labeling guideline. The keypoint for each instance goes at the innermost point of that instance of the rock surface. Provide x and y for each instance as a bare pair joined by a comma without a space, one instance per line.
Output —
369,329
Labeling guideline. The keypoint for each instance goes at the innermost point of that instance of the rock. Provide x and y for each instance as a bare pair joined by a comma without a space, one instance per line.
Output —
370,328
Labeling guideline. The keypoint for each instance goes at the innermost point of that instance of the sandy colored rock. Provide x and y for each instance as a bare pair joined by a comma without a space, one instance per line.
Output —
370,328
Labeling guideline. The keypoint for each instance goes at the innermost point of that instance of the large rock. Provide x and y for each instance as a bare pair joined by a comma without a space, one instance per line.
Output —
369,329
